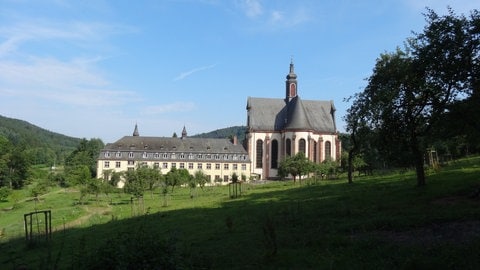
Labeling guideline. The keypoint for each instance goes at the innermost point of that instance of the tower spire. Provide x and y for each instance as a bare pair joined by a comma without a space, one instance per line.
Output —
184,133
291,83
135,131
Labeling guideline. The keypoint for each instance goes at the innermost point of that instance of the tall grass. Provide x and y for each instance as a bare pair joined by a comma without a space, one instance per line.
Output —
382,221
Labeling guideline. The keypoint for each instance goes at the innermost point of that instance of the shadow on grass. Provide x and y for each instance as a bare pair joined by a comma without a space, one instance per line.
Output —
326,225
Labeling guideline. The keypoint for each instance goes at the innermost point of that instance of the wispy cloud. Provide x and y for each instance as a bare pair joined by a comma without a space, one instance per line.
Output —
185,74
78,34
268,18
74,82
168,108
251,8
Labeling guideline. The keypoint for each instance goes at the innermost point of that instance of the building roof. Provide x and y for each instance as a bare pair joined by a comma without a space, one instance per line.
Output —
170,144
273,114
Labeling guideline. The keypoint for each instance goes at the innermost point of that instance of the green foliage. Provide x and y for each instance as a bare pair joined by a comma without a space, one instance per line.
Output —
4,193
85,154
14,165
134,184
200,178
297,165
229,132
176,177
411,90
41,144
78,175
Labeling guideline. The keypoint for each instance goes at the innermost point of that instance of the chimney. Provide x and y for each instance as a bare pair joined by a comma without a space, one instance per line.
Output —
235,140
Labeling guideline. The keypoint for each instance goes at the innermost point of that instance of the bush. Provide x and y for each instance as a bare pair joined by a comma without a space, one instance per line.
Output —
4,193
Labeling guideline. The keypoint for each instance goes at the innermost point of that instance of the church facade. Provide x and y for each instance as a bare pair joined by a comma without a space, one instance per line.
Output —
281,127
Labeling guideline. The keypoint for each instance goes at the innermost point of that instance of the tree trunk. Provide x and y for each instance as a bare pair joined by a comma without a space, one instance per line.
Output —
418,158
350,166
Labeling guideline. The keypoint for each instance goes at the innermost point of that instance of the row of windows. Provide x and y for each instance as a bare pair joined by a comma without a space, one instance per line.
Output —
182,165
182,156
288,151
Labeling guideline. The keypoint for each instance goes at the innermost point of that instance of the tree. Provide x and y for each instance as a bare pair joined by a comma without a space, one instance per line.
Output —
200,178
411,89
297,165
150,177
86,154
17,165
134,184
177,177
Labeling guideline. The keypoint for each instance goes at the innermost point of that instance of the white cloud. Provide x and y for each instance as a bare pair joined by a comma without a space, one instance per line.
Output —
295,17
272,19
185,74
73,83
252,8
167,108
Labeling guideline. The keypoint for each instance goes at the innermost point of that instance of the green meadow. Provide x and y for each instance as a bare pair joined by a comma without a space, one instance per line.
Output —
382,221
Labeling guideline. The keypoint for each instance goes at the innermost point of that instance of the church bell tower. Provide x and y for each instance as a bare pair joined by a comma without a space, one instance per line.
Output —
291,84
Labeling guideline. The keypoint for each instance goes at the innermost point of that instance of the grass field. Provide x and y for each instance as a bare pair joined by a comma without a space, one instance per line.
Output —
378,222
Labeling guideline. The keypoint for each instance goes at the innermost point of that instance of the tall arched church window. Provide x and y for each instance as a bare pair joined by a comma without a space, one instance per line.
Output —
328,150
288,147
315,151
259,160
274,154
301,146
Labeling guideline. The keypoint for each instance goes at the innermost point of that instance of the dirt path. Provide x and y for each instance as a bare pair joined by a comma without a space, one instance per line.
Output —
90,211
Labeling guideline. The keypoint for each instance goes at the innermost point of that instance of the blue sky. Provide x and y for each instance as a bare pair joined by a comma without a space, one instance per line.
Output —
93,68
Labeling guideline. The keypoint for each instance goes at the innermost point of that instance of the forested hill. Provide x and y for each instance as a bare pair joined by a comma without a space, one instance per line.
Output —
41,141
225,133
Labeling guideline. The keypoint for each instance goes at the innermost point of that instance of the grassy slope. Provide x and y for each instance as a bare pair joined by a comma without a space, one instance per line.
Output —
378,222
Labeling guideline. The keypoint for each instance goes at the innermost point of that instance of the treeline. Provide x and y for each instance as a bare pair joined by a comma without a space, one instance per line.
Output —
40,145
229,132
421,103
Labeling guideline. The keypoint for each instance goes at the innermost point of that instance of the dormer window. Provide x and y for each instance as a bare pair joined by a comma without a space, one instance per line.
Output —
130,155
145,155
118,154
107,154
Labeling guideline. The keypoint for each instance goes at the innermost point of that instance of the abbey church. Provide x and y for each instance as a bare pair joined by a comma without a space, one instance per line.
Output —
276,128
279,128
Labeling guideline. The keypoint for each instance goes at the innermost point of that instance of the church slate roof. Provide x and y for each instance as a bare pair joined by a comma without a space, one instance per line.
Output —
273,114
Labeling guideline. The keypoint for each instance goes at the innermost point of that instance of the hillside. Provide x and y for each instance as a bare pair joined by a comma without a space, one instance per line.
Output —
22,133
225,133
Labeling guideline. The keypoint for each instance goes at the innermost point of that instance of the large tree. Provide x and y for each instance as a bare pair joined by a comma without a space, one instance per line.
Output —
85,154
411,89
